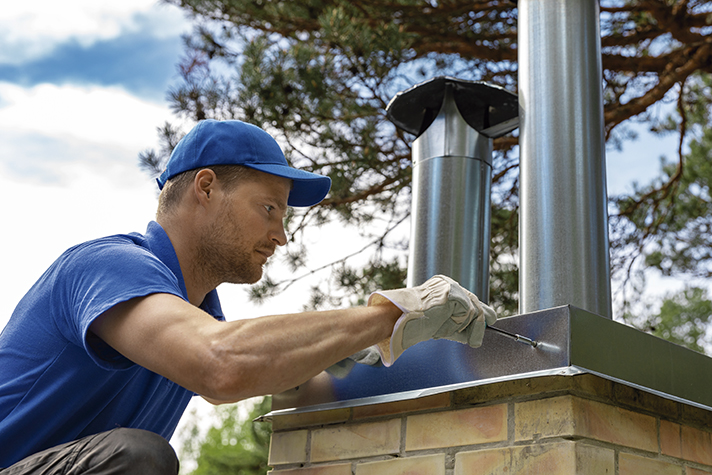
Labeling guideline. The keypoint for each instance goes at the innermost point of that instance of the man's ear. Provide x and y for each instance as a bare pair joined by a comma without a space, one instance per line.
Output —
204,186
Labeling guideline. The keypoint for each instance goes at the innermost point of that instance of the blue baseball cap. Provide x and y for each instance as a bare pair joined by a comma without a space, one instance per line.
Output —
233,142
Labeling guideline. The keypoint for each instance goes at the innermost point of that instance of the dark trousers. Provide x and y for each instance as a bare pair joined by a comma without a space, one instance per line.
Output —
119,451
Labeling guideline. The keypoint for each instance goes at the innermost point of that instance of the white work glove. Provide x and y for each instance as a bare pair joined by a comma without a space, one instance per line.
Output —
369,356
439,308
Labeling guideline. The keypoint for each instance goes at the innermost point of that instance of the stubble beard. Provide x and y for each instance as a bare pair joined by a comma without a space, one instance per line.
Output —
224,254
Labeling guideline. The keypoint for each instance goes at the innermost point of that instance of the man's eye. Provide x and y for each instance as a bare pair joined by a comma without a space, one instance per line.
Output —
269,208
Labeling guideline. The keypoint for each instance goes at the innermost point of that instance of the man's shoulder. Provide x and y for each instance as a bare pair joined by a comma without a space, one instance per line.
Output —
114,240
116,245
153,244
121,260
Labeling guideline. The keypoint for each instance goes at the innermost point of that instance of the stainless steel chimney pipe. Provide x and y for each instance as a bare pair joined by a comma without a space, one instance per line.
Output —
450,220
563,227
455,121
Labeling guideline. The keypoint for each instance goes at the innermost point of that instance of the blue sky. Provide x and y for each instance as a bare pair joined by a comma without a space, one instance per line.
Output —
134,44
139,62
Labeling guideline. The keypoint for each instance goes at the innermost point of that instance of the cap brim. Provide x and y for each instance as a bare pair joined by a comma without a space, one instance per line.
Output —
308,188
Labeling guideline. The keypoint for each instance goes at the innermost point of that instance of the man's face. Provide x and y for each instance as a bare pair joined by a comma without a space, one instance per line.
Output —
247,229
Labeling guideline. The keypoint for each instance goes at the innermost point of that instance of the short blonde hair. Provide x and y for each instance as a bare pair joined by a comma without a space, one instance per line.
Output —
172,193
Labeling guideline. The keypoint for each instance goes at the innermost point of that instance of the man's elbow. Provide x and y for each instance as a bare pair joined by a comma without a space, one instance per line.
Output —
227,379
217,402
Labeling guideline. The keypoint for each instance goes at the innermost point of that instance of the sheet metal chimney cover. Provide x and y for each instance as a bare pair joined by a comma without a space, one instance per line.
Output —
490,110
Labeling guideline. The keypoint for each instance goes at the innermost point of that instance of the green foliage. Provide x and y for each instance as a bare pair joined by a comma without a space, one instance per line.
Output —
667,224
504,246
683,319
235,445
362,282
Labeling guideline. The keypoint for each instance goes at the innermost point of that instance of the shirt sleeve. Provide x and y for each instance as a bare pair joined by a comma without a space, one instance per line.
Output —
95,277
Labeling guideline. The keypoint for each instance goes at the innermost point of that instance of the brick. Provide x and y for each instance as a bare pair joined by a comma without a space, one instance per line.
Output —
544,418
510,389
480,462
306,419
670,439
594,460
695,416
435,401
288,447
694,471
618,426
454,428
560,458
638,399
341,469
356,440
589,384
425,465
629,464
584,384
573,416
696,445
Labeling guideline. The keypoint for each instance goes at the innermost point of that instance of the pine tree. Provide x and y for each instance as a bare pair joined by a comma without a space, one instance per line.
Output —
318,75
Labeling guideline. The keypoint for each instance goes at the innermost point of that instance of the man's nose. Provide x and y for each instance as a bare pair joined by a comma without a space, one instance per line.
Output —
279,236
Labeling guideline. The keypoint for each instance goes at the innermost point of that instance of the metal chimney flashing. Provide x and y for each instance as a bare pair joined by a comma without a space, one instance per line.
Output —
572,342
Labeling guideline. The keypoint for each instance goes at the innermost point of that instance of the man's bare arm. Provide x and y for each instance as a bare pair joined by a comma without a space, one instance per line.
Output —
227,362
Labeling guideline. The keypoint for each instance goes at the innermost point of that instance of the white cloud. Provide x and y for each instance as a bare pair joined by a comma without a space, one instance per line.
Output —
43,220
68,172
91,114
32,29
48,132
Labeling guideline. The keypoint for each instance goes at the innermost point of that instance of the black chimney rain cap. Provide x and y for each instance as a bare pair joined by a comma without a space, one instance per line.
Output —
490,110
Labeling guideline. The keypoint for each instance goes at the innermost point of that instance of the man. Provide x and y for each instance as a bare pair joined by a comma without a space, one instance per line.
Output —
102,355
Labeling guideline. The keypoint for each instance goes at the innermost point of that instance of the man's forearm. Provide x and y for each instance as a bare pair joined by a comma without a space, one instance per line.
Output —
271,354
226,362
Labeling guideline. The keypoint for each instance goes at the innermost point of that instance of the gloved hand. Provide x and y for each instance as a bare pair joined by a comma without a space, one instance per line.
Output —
439,308
369,356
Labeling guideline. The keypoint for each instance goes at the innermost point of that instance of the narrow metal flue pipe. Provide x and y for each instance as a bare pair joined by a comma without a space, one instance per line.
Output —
563,227
454,121
450,220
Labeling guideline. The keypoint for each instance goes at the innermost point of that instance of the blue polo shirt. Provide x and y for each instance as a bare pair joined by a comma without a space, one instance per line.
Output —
58,382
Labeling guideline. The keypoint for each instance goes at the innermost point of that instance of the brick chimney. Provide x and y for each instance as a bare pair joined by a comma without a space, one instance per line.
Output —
554,425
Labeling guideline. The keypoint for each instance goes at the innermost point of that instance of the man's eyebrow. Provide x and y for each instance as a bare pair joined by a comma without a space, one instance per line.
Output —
283,209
